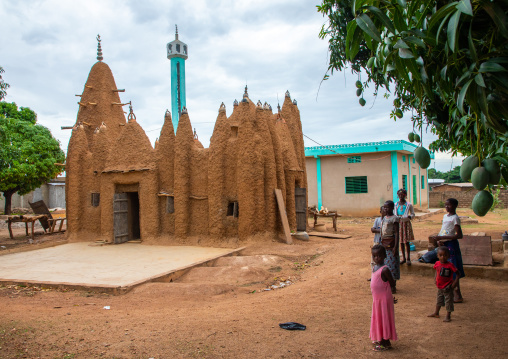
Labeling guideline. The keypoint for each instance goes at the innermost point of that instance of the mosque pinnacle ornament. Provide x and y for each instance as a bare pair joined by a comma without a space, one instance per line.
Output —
99,49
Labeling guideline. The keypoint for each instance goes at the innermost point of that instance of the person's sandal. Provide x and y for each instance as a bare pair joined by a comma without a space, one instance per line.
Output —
380,348
409,262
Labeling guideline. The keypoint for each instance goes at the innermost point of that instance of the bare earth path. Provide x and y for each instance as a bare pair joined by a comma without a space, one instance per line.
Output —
209,316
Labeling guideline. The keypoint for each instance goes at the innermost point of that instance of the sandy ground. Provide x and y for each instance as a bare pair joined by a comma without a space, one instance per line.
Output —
224,312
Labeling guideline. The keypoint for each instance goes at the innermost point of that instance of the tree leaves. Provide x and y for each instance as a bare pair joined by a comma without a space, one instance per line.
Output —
366,24
28,151
447,59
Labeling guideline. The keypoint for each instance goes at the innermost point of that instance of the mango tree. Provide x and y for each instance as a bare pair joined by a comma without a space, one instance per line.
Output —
444,61
29,155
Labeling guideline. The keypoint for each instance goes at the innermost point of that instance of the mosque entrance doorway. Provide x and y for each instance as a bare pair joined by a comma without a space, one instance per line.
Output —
126,217
301,209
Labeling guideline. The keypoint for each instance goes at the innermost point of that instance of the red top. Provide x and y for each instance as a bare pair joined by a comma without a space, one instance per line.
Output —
444,273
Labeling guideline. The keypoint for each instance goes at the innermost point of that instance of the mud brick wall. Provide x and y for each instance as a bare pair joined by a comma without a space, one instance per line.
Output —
465,198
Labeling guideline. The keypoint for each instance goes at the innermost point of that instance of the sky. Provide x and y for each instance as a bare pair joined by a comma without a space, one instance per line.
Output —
49,46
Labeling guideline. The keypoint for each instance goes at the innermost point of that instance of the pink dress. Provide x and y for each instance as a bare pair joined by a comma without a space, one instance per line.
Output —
382,325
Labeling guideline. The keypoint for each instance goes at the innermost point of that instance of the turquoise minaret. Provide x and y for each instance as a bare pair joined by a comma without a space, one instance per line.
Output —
177,53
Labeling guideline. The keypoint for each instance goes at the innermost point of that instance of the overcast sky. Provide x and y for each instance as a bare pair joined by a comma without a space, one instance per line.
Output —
48,48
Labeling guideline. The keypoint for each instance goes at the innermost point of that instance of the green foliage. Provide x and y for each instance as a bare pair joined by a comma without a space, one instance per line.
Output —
3,85
446,61
28,151
452,176
497,202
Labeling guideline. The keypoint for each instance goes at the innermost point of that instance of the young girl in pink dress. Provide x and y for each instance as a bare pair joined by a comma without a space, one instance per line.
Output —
382,325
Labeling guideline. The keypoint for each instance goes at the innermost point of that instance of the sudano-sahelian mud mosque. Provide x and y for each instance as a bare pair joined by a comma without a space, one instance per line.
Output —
120,188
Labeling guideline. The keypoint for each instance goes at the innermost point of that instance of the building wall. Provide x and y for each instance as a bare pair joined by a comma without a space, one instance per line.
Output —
334,170
383,181
311,163
451,188
409,167
52,195
465,198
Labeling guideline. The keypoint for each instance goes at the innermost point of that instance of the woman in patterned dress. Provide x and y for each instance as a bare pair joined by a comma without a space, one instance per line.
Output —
405,211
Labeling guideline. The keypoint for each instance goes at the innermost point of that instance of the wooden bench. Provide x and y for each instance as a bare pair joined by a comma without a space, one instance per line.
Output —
334,216
25,219
47,222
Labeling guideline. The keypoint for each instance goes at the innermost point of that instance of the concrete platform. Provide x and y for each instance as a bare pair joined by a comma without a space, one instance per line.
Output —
110,268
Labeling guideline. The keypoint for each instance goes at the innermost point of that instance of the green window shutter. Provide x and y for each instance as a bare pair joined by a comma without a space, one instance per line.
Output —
423,182
357,184
404,182
354,159
403,158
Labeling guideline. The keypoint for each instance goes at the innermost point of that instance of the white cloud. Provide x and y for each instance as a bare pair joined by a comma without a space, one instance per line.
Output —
271,45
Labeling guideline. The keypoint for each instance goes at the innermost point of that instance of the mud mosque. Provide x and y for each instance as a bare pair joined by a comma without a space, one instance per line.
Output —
120,188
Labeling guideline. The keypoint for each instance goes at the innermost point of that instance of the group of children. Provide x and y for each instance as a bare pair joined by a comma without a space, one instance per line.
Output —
392,227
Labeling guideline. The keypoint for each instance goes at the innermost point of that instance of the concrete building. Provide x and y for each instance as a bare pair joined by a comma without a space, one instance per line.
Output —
356,179
52,193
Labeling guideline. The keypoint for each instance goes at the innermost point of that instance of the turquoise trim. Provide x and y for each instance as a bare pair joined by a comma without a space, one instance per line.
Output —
174,103
395,175
420,186
384,146
410,184
319,184
428,189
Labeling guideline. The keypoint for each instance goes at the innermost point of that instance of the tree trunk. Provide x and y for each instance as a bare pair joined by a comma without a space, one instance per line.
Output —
8,199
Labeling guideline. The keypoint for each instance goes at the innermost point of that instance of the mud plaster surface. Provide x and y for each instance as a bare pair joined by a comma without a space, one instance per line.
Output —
251,153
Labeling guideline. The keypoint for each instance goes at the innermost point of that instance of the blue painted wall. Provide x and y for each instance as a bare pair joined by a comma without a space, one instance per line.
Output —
174,104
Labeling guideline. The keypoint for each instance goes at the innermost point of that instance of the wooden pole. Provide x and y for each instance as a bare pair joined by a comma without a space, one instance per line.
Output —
283,216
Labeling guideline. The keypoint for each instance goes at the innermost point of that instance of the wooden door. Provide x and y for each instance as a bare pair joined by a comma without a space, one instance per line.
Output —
121,217
301,209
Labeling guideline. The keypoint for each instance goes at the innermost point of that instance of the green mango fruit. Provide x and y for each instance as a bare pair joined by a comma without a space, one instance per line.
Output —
370,63
396,103
422,156
398,113
493,169
359,84
411,137
362,102
480,178
467,167
359,92
482,202
417,138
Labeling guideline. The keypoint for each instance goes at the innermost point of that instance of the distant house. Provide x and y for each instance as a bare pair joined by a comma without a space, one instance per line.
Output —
453,187
356,179
52,193
434,182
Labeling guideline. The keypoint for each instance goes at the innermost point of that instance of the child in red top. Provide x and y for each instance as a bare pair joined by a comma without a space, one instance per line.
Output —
445,283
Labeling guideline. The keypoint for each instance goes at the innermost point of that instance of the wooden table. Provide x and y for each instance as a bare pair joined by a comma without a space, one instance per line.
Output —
334,216
26,220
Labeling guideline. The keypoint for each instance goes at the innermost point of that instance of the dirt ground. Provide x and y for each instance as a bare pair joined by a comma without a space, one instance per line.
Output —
225,312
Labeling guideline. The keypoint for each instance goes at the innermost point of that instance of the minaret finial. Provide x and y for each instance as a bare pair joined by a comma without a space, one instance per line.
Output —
99,49
176,32
245,94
